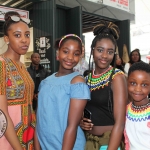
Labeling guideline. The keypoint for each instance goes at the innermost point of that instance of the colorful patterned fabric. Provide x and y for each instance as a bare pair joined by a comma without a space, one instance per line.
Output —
17,85
138,115
137,128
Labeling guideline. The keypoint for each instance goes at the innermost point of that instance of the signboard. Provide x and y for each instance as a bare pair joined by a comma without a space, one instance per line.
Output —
3,10
120,4
43,47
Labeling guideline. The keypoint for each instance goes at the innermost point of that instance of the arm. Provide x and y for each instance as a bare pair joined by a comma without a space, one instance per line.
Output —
119,88
36,142
10,133
74,116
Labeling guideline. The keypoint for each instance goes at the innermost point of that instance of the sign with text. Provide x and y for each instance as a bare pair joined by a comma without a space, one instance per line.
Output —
3,10
43,47
120,4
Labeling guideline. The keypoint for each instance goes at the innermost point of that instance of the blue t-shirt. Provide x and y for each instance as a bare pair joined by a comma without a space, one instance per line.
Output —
53,106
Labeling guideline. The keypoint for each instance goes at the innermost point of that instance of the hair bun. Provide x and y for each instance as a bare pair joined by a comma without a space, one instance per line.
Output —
10,13
105,27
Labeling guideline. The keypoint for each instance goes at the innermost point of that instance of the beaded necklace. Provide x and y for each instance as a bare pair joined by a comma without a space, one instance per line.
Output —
98,75
138,113
99,81
141,107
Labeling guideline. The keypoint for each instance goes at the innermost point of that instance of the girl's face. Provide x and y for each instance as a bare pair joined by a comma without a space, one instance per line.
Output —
103,54
18,38
139,86
69,55
135,56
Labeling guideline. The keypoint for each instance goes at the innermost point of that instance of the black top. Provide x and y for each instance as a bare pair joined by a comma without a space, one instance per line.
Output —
101,107
101,104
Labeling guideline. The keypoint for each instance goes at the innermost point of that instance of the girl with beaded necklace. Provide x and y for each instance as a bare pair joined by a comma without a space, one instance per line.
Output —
137,127
108,92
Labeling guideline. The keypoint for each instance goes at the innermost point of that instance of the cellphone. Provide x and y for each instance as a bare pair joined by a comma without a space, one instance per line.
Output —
87,114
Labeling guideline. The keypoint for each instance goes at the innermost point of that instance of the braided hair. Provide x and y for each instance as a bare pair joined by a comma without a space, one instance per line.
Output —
106,30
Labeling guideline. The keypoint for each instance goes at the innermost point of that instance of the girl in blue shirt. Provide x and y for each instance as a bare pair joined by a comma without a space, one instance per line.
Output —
61,101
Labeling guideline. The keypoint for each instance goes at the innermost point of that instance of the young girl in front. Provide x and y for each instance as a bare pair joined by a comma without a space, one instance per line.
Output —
137,128
61,101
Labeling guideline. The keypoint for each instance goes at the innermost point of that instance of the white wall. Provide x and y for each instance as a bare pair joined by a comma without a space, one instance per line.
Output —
3,46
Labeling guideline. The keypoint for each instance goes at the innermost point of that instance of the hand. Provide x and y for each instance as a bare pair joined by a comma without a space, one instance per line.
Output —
86,124
35,96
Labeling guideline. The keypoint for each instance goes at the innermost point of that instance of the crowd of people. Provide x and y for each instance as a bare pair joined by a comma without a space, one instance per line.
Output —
102,88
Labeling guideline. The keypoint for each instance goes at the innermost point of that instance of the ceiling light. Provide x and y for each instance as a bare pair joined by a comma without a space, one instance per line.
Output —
6,2
20,1
96,1
26,5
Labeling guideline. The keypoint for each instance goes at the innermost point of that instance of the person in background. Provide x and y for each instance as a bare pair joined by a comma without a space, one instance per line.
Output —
38,73
134,57
104,131
16,86
82,65
119,63
137,127
61,101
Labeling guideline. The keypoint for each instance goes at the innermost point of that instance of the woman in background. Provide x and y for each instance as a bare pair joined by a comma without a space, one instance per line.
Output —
82,65
134,57
119,63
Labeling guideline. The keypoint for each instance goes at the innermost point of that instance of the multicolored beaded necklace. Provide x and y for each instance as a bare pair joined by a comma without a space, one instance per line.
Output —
138,113
97,81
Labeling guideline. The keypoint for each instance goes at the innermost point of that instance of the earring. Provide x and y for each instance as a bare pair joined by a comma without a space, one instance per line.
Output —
7,43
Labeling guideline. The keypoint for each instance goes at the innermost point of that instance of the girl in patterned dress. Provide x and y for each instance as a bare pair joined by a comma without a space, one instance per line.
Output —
16,86
137,127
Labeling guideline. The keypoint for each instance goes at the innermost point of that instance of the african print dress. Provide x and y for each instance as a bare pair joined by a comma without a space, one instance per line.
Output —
17,85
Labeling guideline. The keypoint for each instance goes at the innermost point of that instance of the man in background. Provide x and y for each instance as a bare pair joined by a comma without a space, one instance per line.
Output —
38,73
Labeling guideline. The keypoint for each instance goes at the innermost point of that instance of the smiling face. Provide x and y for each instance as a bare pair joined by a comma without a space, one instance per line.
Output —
18,38
135,56
69,55
103,55
139,87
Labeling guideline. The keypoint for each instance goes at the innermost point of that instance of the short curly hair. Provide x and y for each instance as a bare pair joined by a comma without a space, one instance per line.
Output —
140,66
